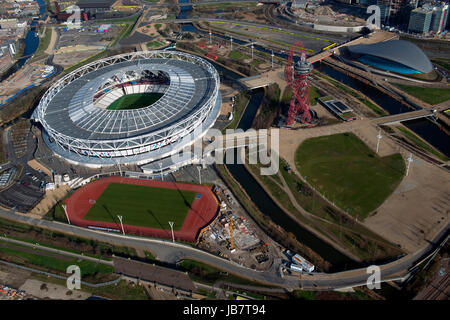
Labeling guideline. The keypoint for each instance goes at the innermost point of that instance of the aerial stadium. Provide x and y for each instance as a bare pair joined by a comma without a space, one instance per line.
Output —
131,108
398,56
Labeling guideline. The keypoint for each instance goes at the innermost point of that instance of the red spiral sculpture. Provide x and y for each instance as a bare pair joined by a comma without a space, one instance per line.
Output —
297,79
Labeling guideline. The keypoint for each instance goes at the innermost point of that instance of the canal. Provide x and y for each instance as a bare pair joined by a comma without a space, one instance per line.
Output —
262,200
31,43
266,205
425,128
258,195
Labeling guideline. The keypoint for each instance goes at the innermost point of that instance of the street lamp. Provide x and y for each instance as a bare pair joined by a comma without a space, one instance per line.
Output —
231,43
121,224
199,174
252,50
171,228
379,136
410,159
210,36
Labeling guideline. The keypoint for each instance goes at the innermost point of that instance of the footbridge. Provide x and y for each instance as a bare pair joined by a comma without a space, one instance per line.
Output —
397,118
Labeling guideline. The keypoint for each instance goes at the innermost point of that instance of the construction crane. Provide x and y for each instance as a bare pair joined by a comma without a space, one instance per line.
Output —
232,226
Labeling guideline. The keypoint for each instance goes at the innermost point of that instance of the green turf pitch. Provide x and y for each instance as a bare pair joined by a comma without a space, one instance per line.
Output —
135,101
142,206
348,172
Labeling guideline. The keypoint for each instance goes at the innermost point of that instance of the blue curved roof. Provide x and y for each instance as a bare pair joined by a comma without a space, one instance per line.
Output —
399,51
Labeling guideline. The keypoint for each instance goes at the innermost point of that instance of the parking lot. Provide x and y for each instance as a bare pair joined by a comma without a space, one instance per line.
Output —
26,191
87,37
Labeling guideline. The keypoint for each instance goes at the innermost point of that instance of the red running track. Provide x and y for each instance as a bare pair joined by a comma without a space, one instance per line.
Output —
201,213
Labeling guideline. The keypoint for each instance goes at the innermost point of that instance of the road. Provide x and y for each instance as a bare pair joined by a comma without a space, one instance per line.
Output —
169,252
162,5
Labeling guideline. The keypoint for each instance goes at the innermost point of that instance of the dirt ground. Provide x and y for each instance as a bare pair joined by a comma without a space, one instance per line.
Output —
150,29
416,211
29,74
13,277
45,290
52,43
71,58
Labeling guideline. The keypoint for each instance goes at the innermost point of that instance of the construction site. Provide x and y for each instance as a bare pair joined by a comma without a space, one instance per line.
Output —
30,75
234,237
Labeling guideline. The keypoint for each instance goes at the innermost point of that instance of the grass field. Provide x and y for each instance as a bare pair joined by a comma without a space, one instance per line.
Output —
135,101
142,206
40,258
348,172
429,95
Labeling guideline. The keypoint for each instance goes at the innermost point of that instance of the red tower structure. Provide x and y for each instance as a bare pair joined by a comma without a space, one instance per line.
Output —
296,74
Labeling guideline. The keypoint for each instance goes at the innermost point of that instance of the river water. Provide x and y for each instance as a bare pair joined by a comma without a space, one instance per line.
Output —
425,128
256,192
31,42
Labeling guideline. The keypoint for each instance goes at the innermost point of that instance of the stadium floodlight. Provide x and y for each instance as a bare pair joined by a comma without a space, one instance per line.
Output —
121,223
379,136
160,168
199,174
171,228
410,159
65,211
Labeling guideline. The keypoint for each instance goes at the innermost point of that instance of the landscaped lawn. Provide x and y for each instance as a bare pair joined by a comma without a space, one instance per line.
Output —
237,55
348,172
142,206
429,95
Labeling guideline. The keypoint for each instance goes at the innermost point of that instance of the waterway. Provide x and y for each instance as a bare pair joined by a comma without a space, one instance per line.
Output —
267,206
423,127
261,198
31,42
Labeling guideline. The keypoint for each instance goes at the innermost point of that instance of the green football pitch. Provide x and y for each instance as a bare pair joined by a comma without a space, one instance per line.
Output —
135,101
142,206
348,172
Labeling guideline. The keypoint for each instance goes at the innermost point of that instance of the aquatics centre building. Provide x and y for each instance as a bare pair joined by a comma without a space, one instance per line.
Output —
399,56
131,108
